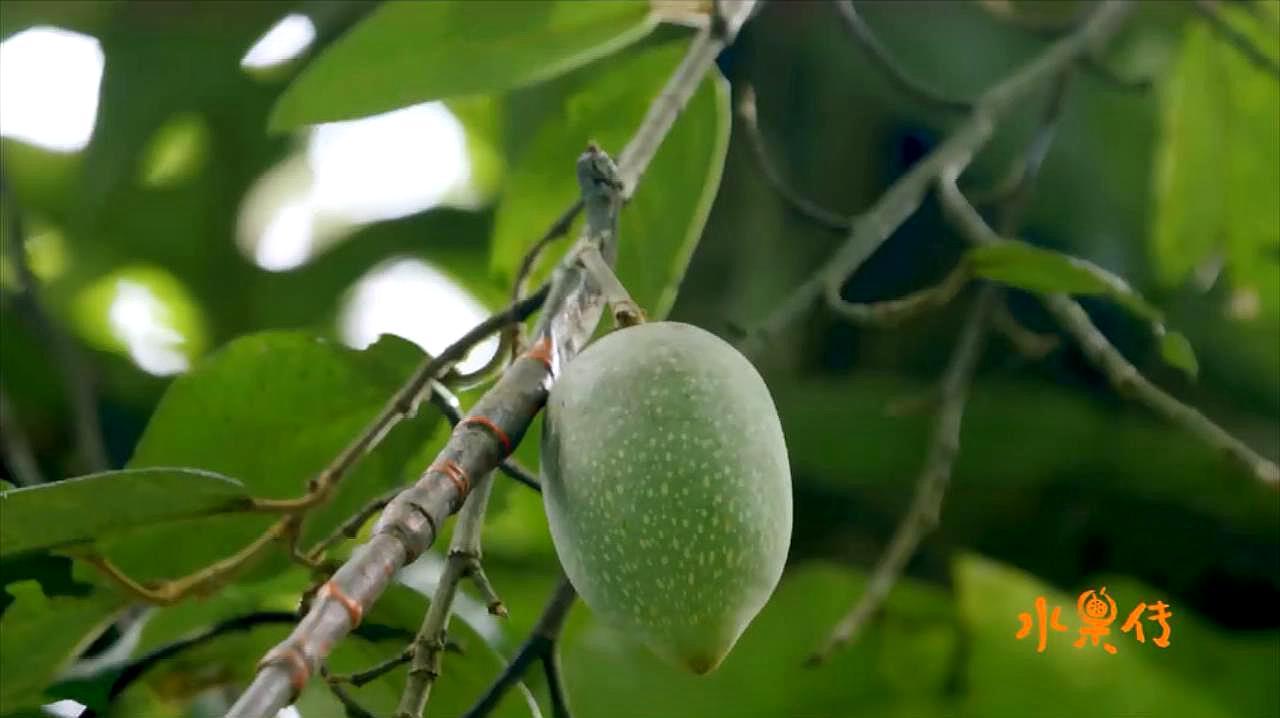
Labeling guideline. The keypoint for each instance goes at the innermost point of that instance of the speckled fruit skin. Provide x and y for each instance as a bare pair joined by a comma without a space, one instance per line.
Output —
667,488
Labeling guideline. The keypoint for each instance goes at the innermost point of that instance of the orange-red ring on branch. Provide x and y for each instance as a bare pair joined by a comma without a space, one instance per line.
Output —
355,611
454,474
301,672
492,427
541,351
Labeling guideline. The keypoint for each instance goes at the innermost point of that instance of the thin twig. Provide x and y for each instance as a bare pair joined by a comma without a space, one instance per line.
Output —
76,379
1029,343
555,684
349,528
1015,194
529,261
539,646
904,196
359,678
1123,375
1053,29
1109,77
18,456
794,199
891,312
861,32
1237,39
926,505
1042,26
558,229
350,705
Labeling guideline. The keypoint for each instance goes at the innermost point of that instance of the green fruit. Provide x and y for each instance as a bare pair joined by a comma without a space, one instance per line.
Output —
667,488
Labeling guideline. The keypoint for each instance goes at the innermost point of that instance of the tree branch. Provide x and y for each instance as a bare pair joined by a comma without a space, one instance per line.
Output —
793,198
904,196
1237,39
490,432
374,672
350,706
75,373
861,32
539,646
926,505
1124,376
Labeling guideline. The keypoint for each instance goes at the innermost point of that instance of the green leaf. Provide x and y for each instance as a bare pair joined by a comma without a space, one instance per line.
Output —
405,53
39,635
661,225
92,507
273,409
1036,269
1235,667
1176,350
1006,676
1217,167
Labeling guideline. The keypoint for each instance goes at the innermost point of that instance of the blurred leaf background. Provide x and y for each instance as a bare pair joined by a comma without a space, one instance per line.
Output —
213,255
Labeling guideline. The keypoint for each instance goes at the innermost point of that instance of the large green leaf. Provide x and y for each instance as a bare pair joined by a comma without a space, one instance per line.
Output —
1217,170
898,668
1008,677
38,635
273,409
91,507
661,225
414,51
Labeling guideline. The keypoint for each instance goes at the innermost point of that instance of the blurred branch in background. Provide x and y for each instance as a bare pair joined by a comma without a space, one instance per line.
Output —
76,378
1123,375
795,200
1208,9
861,32
903,197
24,468
1044,27
925,511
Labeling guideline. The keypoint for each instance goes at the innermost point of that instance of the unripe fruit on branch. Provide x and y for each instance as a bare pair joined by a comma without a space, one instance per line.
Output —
667,488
